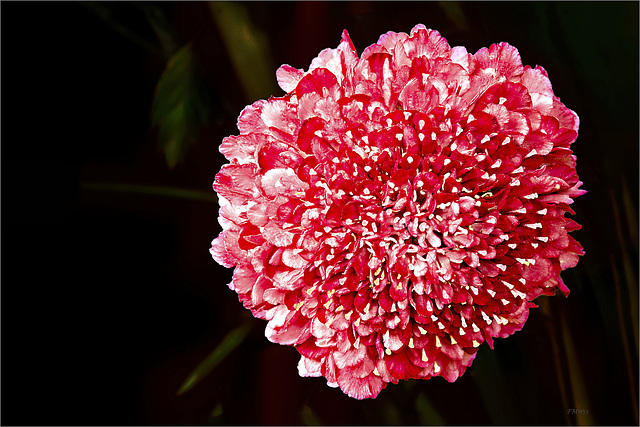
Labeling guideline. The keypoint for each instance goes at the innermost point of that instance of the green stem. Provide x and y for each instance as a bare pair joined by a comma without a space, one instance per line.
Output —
151,190
228,344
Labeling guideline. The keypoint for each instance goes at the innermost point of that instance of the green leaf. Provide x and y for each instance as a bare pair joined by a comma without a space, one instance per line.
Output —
179,107
228,344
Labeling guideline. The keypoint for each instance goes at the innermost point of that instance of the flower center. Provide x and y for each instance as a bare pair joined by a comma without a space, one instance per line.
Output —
396,213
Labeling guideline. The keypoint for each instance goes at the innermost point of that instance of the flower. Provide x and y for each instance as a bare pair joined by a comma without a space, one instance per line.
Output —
393,212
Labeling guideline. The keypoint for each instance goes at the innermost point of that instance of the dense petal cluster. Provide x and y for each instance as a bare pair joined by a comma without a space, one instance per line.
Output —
396,210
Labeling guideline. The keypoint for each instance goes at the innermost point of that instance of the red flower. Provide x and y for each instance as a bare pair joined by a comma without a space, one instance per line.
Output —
393,212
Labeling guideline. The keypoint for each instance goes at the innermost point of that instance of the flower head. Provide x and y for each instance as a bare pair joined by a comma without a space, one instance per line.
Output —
394,211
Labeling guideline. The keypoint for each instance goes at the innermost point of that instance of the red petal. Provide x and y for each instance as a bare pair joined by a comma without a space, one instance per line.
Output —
294,331
250,237
220,253
307,133
237,183
277,154
276,235
288,77
282,181
502,57
400,365
360,388
242,148
310,350
250,120
541,271
315,81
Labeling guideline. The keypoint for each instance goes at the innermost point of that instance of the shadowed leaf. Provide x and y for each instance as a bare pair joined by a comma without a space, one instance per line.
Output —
229,342
179,107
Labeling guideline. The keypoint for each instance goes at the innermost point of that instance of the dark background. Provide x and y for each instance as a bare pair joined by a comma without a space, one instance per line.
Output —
110,298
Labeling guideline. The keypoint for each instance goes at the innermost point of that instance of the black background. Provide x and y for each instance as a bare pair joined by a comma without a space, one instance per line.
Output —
109,300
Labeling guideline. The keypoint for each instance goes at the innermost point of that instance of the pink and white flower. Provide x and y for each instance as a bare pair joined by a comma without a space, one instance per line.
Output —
394,211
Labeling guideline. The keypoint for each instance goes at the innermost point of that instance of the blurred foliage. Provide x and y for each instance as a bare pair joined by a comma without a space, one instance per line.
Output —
624,223
152,190
496,396
228,344
110,17
454,12
160,25
622,319
180,106
427,413
580,398
247,47
309,417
